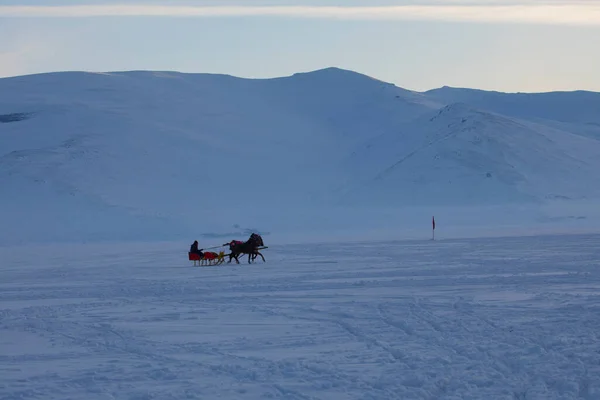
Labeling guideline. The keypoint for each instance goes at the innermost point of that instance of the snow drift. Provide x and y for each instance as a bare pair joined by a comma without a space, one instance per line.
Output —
155,155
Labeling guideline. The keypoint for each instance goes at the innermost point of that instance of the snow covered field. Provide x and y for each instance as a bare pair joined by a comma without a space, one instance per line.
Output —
163,158
501,318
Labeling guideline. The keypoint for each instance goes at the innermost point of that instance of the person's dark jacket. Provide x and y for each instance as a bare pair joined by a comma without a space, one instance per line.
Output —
194,248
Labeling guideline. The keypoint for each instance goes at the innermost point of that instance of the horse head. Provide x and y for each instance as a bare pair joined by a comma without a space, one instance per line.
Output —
256,239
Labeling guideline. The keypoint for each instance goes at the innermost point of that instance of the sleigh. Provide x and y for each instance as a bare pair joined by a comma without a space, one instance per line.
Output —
209,258
193,257
251,247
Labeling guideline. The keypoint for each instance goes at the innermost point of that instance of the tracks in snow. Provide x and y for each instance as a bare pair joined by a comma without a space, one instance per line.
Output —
396,325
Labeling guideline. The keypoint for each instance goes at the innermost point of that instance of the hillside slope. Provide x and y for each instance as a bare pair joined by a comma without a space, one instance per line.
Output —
464,156
161,150
576,107
142,154
576,111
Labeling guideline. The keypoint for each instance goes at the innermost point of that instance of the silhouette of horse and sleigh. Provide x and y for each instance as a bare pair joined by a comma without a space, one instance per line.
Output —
236,248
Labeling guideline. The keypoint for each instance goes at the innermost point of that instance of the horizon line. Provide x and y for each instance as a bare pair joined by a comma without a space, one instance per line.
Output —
565,14
152,71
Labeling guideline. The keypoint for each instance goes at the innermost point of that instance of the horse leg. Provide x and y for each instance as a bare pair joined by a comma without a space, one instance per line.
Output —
258,253
255,253
233,255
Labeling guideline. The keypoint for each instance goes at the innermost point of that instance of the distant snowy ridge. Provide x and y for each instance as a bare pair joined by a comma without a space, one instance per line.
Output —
465,156
146,154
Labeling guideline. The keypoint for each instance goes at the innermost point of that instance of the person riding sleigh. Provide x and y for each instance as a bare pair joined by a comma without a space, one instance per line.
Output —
194,249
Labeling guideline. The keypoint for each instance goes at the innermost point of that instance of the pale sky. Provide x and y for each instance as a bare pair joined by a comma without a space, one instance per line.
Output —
504,45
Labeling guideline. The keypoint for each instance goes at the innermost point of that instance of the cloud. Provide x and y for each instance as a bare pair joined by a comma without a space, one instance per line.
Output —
575,13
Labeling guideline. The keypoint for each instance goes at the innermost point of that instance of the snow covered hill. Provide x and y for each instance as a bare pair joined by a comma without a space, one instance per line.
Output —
579,107
576,111
154,155
465,156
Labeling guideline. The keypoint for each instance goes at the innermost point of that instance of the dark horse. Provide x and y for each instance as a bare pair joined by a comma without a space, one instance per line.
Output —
249,247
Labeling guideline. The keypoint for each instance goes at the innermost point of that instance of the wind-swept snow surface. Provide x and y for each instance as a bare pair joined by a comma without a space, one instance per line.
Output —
506,318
